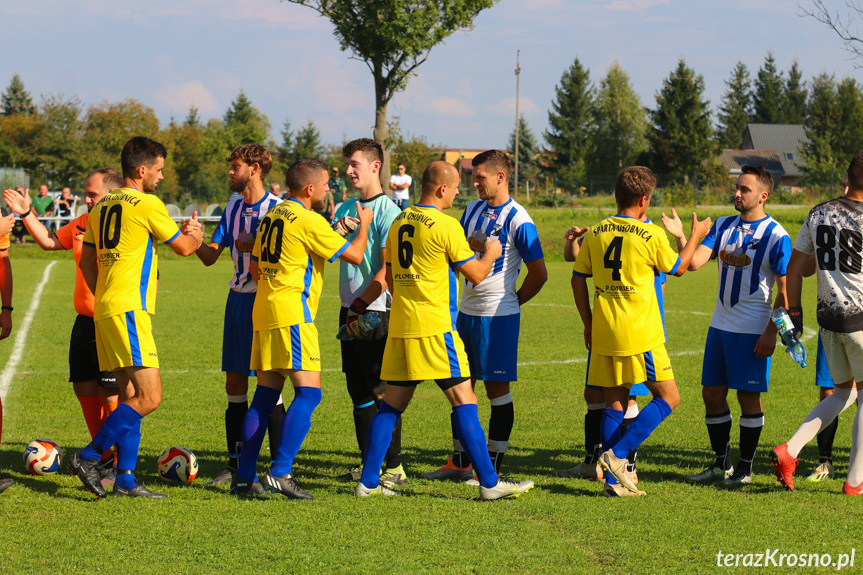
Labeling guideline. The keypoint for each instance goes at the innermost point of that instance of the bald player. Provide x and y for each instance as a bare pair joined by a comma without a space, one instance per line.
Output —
424,248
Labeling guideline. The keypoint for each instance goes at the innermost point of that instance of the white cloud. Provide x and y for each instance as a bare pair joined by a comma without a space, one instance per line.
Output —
180,98
636,5
449,107
506,107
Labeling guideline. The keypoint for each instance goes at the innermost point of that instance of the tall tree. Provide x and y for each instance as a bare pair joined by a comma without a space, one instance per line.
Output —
619,123
794,109
16,100
393,38
108,125
528,155
736,109
570,120
307,143
823,122
245,124
58,146
769,92
849,139
682,135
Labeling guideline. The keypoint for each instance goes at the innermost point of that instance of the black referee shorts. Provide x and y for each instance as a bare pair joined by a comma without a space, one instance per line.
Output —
83,359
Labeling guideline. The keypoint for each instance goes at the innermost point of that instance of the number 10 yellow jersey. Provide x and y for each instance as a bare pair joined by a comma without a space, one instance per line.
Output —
123,228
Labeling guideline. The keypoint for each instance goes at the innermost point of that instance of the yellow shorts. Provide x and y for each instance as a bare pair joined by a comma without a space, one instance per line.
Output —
126,340
627,370
285,349
435,357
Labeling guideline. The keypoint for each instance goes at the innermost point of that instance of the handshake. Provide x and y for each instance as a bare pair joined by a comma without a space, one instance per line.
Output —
359,324
192,227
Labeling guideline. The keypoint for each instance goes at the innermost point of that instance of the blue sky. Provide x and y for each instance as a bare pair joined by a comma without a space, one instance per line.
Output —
170,54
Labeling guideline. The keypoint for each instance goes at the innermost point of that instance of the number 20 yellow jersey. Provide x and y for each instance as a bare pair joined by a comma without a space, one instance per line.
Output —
424,246
290,248
124,227
621,254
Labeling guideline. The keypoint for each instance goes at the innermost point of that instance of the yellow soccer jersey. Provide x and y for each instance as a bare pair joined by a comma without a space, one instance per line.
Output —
621,254
423,248
290,248
124,227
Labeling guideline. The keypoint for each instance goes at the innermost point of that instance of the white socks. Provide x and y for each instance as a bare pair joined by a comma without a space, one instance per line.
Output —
821,416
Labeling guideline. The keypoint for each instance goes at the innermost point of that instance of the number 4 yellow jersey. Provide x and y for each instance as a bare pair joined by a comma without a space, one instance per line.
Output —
290,248
423,248
621,254
124,227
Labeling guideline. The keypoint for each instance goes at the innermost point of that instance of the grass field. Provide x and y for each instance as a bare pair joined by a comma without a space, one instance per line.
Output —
51,525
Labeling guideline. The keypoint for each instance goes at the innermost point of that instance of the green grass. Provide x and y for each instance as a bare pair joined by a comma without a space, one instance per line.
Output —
51,525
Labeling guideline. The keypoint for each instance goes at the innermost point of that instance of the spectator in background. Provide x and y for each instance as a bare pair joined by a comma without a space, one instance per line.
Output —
329,206
337,185
43,204
400,185
276,190
64,203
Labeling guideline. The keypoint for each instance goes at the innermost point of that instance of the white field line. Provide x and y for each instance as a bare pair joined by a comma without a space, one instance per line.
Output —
21,336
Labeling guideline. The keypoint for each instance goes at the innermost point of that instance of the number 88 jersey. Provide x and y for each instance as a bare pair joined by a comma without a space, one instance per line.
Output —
621,254
123,228
424,246
290,249
834,232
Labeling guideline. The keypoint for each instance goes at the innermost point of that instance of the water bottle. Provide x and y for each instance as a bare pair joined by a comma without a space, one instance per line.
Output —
368,321
786,331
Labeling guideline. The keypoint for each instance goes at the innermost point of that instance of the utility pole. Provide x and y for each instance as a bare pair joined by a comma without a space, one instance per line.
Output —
517,80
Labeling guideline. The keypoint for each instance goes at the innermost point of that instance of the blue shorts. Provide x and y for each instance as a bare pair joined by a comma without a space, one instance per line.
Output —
237,337
822,372
491,344
637,389
729,360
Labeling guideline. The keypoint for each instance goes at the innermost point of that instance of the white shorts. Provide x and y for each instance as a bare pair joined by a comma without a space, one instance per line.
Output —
844,355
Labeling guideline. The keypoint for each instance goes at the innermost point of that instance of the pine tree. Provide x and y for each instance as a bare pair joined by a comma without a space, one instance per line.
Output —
16,100
620,123
570,118
307,143
769,92
736,109
794,108
528,154
246,124
682,135
823,123
849,140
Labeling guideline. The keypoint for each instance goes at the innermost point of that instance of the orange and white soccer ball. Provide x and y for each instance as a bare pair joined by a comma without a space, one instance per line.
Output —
178,465
42,457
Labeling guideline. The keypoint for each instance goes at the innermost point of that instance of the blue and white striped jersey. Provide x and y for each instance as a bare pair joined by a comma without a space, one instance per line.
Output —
750,256
511,224
237,230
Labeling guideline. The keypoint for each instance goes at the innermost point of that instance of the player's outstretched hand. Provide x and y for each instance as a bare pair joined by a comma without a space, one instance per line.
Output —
16,202
6,225
365,214
192,227
699,229
574,233
673,225
493,249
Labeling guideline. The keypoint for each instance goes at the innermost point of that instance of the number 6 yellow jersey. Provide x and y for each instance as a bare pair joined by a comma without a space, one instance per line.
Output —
621,254
124,227
290,248
423,248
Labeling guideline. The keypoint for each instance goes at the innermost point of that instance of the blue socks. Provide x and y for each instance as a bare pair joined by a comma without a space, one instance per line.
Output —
380,435
472,439
119,423
639,430
127,456
609,434
295,426
254,428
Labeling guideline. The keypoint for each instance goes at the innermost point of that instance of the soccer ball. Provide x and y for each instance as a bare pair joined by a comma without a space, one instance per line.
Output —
178,465
42,457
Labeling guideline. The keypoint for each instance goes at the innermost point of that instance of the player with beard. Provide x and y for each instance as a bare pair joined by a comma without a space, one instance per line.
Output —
752,251
95,389
119,264
250,164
